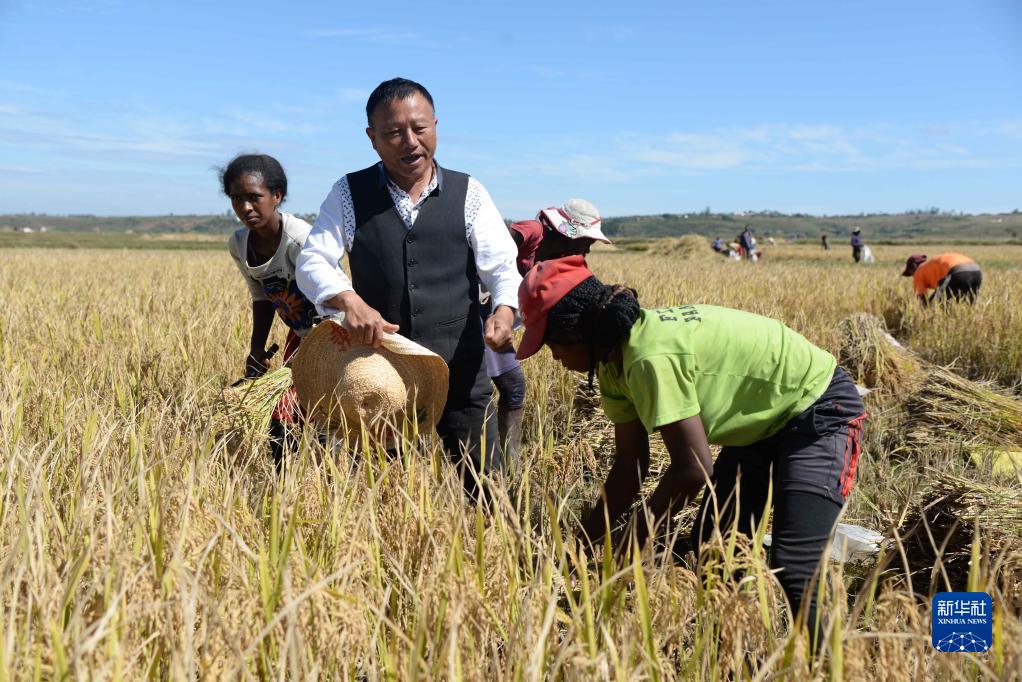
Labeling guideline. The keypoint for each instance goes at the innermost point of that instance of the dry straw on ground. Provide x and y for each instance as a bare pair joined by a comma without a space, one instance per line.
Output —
953,517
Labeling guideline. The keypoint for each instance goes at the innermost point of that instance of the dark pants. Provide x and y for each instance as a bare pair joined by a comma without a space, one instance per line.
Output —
511,389
856,253
461,426
287,416
811,463
960,285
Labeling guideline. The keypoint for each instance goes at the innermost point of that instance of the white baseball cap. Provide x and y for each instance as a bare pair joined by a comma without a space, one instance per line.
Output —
576,219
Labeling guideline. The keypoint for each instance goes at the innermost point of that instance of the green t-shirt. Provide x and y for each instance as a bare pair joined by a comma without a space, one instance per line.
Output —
745,375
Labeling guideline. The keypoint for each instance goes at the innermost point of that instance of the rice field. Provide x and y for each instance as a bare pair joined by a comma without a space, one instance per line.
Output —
139,538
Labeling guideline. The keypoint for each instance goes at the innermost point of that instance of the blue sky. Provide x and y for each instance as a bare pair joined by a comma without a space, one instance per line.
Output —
115,108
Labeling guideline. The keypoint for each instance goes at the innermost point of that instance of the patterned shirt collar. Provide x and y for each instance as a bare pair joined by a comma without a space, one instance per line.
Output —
436,183
407,207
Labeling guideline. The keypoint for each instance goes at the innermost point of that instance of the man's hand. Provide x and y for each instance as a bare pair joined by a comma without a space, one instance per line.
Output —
498,328
365,324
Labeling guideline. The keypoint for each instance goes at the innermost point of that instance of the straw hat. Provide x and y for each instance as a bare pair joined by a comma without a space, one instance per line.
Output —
340,383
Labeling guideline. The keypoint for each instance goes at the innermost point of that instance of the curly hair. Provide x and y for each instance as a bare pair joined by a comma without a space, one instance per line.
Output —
596,314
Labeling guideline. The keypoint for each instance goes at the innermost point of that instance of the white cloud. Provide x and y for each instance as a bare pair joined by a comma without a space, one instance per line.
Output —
799,148
1012,129
687,151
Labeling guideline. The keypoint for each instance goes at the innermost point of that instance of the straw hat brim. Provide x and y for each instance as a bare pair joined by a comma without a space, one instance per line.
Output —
340,383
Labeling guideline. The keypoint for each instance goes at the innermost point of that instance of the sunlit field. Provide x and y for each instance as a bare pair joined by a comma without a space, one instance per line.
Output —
139,540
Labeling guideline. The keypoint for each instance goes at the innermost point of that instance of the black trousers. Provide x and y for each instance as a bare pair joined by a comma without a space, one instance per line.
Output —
811,463
461,425
960,285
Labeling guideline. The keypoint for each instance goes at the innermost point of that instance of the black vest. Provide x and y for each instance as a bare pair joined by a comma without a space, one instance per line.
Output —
423,279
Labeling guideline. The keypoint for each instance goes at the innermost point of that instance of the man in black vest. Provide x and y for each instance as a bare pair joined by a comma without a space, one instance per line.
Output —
419,240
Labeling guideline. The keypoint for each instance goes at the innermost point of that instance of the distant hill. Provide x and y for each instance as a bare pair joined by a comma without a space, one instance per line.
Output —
224,223
927,224
901,226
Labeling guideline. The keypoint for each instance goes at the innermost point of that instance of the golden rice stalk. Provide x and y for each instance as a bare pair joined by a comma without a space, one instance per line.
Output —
250,405
1004,462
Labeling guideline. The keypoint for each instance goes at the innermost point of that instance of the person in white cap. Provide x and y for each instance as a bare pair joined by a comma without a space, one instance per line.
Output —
570,230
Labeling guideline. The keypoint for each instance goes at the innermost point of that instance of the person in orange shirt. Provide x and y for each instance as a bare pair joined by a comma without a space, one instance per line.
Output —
950,275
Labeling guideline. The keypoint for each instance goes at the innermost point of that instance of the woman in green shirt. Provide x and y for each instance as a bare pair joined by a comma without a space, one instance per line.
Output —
782,409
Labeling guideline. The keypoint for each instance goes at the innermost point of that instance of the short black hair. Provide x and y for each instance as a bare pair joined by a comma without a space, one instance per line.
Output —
265,165
395,88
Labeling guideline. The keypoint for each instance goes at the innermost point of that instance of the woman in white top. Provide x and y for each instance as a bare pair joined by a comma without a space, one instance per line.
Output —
265,251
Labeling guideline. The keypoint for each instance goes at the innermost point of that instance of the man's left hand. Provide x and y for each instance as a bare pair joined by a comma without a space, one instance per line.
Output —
498,328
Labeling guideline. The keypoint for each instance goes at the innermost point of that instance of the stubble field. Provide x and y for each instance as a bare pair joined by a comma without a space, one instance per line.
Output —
136,539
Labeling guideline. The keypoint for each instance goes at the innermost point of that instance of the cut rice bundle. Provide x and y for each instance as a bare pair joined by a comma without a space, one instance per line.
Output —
931,404
875,359
250,406
979,412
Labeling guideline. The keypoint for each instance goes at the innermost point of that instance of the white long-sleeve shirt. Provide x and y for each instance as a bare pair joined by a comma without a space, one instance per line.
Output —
321,277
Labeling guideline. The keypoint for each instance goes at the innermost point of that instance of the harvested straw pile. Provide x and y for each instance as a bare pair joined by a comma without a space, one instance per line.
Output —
875,359
978,411
688,247
932,403
938,534
248,407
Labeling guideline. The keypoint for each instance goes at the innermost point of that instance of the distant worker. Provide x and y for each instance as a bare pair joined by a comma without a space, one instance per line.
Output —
950,275
826,246
857,244
748,243
718,245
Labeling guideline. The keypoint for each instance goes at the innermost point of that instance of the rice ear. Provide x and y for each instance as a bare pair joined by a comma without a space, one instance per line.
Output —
250,406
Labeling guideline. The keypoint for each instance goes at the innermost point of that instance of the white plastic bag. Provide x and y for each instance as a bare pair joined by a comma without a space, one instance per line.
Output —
854,543
851,543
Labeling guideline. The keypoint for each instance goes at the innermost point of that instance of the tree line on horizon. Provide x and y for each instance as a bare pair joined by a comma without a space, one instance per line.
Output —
918,223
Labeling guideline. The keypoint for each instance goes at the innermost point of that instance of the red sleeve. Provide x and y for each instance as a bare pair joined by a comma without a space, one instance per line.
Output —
531,233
